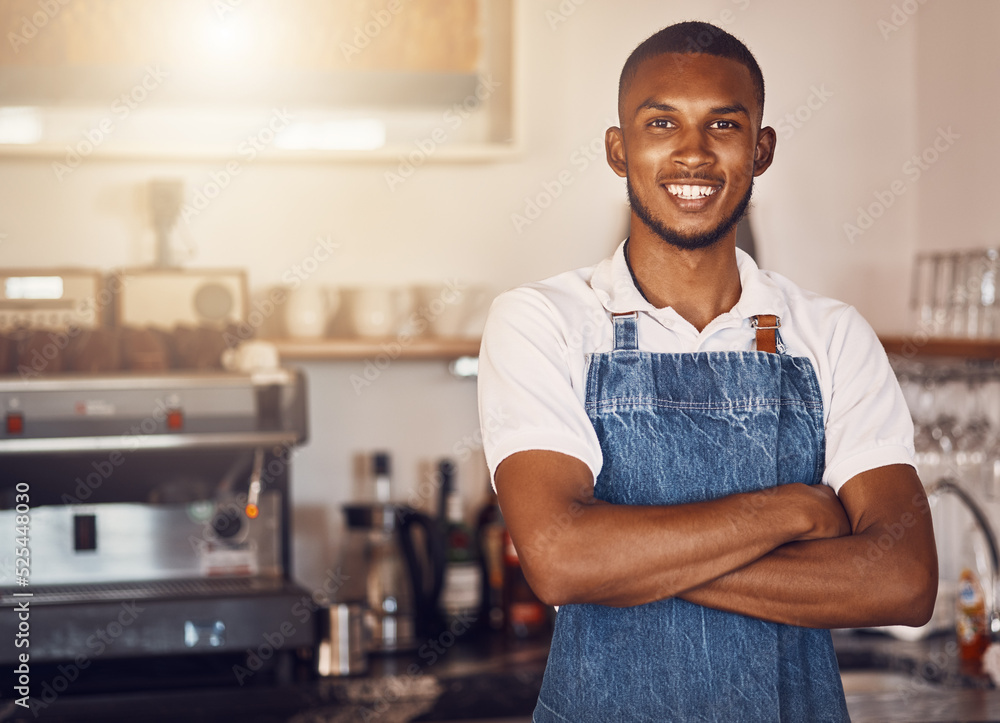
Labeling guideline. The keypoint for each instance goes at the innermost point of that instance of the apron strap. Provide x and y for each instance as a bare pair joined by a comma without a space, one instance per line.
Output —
626,337
767,332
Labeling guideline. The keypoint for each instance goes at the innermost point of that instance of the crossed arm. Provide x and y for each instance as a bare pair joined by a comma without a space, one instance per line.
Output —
792,554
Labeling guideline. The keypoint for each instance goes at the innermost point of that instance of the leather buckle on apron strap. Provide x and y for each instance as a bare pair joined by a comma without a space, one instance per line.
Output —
625,330
766,326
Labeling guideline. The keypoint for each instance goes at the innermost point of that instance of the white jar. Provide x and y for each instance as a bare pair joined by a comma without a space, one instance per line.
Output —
308,309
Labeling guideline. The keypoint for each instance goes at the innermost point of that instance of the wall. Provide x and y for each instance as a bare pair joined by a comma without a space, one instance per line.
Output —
455,220
956,63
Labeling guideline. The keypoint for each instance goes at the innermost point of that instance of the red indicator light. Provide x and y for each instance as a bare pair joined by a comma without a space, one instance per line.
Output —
15,423
252,511
175,419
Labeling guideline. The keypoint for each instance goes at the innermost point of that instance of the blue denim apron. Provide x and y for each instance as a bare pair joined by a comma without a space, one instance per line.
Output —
678,428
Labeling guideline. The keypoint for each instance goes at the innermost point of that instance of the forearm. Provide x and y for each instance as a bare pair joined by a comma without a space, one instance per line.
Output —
623,555
866,579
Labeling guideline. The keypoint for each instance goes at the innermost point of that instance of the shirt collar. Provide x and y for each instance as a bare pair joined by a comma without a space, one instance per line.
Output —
613,285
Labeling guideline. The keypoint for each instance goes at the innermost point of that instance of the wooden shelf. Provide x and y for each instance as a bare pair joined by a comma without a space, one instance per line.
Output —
923,346
452,348
334,349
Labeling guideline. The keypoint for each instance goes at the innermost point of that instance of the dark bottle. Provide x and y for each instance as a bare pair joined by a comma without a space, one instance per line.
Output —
490,529
460,596
526,616
382,469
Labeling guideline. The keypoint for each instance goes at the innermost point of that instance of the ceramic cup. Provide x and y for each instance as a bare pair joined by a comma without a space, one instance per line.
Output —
381,311
478,299
308,308
453,309
442,305
253,355
342,640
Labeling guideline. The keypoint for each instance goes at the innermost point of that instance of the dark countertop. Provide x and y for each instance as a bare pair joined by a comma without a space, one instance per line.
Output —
483,676
478,676
888,680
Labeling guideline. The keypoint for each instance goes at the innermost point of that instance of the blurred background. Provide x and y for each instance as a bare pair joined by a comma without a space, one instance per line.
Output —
855,90
320,158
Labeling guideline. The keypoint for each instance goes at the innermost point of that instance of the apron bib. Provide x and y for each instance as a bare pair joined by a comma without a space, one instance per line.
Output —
679,428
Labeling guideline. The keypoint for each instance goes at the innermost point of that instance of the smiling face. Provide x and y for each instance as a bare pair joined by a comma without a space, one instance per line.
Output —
689,147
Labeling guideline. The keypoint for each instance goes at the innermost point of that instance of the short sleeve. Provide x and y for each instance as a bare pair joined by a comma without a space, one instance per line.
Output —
868,424
529,383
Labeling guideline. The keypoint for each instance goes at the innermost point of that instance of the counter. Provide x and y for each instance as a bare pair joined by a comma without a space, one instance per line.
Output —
888,680
447,679
488,677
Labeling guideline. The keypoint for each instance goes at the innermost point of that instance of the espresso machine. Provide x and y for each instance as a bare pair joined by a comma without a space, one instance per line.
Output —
156,508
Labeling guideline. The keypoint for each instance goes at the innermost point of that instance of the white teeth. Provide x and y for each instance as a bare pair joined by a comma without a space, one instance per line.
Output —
689,192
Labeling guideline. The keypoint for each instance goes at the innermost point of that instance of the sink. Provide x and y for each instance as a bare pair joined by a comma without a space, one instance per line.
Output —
861,682
886,696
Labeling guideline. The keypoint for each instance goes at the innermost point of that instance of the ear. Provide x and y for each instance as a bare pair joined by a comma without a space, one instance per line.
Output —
763,153
614,147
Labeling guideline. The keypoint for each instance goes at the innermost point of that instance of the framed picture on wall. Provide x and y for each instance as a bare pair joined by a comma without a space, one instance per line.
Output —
276,79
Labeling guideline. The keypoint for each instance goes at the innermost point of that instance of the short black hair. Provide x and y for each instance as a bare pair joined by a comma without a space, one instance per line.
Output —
692,37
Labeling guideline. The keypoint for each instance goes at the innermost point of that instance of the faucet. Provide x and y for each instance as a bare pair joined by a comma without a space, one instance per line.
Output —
944,485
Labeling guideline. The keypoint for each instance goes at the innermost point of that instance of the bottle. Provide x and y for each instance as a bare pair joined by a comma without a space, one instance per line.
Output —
383,477
461,593
525,615
970,621
490,530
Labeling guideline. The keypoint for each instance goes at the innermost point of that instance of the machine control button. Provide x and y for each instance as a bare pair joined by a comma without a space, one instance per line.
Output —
84,532
204,633
15,423
175,419
226,523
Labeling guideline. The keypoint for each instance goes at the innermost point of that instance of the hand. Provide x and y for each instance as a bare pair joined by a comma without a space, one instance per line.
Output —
825,516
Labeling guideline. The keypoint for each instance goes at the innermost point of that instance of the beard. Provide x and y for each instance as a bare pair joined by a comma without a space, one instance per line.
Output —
688,242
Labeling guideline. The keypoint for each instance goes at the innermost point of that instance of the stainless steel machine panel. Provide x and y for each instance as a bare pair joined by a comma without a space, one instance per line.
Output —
118,542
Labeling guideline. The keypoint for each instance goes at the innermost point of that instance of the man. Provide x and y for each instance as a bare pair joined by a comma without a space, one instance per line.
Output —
705,466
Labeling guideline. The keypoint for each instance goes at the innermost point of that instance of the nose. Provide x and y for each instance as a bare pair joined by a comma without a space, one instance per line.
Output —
692,151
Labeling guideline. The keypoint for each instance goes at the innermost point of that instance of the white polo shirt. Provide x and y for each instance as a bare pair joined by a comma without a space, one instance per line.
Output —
539,337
